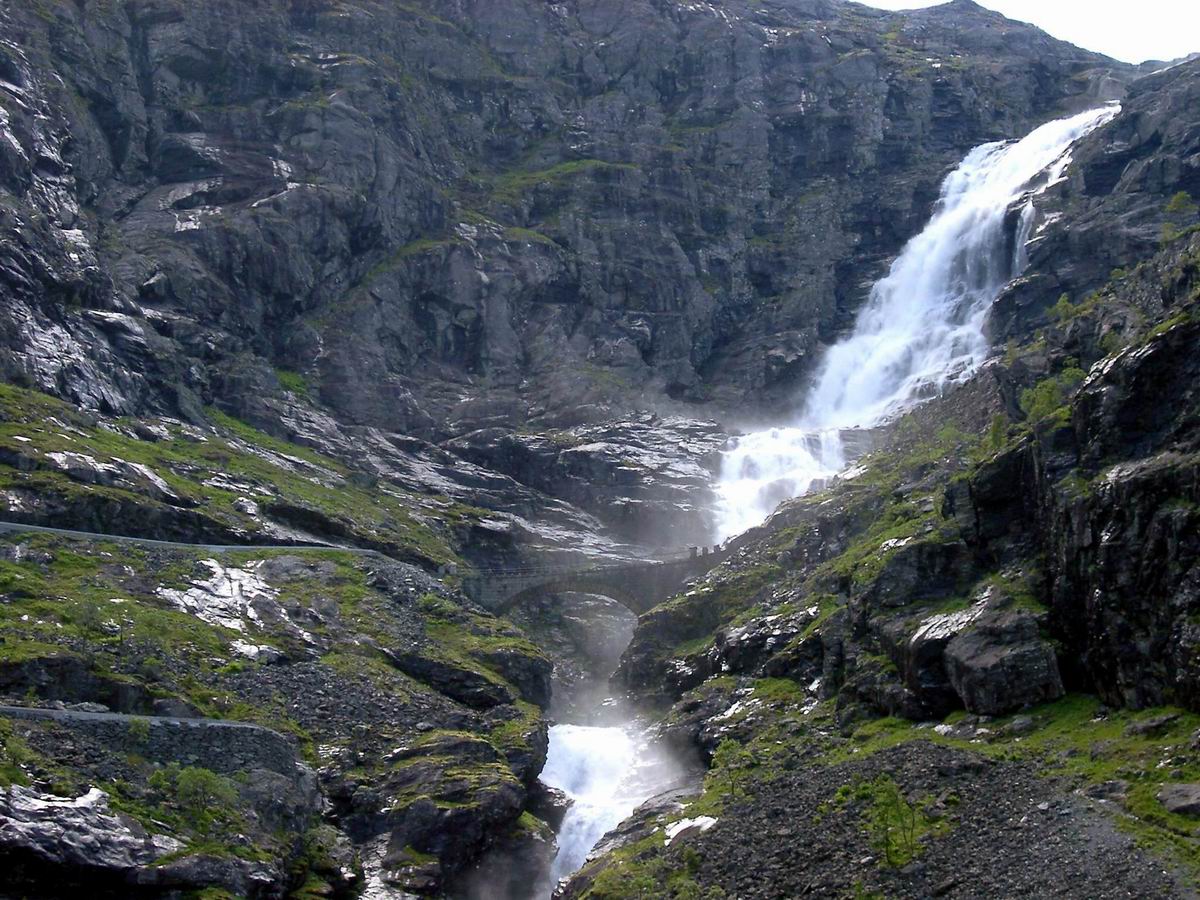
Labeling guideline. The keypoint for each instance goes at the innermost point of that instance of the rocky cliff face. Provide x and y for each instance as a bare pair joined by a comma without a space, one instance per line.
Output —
484,282
447,214
437,218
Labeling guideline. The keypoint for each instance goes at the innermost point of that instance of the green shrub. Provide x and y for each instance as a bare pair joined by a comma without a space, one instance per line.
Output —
1048,397
1111,342
731,764
1063,310
896,827
200,790
139,730
997,432
1181,205
90,617
206,801
14,752
1180,209
1042,400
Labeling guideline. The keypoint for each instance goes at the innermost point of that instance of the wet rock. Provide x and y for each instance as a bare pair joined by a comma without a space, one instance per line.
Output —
1001,663
649,478
758,647
519,858
82,833
549,803
585,635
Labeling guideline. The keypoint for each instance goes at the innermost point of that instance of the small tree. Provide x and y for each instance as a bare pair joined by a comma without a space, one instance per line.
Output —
1062,310
201,790
1181,205
206,800
731,765
892,822
1180,210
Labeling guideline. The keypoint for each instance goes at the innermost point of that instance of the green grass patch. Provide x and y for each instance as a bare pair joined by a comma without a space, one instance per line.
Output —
512,186
294,382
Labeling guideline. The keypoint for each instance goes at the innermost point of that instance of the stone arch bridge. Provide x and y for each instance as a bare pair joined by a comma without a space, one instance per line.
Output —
638,586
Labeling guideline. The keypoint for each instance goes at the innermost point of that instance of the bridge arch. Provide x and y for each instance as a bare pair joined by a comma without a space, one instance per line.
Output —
619,592
637,586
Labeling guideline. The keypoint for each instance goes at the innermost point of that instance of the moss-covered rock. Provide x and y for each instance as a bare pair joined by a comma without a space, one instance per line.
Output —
305,643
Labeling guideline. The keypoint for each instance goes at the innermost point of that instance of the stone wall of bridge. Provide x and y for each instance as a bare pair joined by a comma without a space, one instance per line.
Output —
638,586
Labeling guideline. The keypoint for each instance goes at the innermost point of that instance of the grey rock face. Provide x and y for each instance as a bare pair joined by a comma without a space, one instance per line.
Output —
649,479
449,216
1000,663
1113,207
549,804
81,832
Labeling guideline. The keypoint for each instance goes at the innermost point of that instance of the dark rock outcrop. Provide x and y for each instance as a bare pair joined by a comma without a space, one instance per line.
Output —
1000,663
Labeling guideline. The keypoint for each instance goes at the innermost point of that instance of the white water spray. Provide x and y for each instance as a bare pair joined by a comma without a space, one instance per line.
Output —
589,766
921,329
607,772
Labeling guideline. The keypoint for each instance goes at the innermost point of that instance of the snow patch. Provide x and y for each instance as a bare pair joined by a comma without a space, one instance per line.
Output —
684,827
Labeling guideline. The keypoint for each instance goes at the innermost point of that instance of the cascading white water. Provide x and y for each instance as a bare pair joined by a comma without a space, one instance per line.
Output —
921,329
607,772
589,764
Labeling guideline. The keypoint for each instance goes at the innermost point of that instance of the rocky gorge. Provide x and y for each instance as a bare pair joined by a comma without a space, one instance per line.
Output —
318,312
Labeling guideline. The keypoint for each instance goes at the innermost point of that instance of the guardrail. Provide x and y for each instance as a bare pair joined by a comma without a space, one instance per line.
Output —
523,572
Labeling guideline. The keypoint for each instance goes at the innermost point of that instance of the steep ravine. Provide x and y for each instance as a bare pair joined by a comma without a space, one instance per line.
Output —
602,755
921,333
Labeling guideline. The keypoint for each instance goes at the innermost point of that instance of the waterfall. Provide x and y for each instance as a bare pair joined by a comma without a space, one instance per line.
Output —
590,764
607,772
921,329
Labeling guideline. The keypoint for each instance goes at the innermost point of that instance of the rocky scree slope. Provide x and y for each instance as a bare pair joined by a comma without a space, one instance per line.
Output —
431,218
1011,577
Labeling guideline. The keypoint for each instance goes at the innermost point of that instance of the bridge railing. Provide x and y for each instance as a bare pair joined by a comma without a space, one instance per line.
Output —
532,571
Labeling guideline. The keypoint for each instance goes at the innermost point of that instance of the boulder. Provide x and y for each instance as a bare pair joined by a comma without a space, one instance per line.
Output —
240,877
464,685
548,803
1183,799
1001,663
77,833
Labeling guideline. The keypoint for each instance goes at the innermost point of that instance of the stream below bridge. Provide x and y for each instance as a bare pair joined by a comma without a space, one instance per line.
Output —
602,754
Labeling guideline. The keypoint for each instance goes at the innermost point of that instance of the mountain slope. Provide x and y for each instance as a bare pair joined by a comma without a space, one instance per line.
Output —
1008,585
449,283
